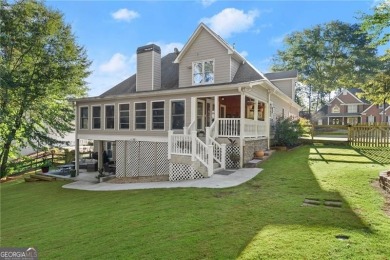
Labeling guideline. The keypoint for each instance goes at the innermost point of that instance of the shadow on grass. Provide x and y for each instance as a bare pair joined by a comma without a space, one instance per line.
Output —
380,155
288,176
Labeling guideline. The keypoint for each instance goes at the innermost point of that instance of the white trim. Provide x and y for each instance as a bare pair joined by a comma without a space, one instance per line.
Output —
104,112
282,79
111,137
92,123
203,114
195,35
135,118
119,117
151,116
224,107
203,72
79,125
170,113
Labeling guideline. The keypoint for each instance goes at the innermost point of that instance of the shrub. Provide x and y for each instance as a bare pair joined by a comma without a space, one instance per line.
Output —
287,132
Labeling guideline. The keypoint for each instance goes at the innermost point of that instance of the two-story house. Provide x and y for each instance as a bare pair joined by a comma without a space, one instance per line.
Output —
347,109
175,116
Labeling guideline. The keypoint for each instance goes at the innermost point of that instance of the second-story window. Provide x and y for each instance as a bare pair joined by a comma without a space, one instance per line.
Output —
203,72
96,117
110,122
336,109
140,116
124,116
84,118
352,108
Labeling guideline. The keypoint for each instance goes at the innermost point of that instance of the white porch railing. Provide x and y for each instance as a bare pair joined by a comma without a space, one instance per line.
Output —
219,149
188,129
254,128
180,144
202,152
230,127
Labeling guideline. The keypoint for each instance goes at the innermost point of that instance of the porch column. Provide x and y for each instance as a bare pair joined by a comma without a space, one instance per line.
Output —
216,114
242,127
268,119
113,147
77,155
193,109
100,154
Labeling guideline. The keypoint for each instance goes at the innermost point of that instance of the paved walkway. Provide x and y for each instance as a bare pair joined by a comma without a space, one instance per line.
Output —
222,180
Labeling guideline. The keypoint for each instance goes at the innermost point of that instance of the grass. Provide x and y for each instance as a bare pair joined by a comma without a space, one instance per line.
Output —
261,219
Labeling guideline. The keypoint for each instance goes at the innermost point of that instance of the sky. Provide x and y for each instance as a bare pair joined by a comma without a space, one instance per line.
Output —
111,31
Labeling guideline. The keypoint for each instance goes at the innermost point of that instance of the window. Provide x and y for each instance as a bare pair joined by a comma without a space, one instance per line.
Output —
203,72
177,114
96,117
336,109
352,108
158,115
84,118
124,116
110,123
371,119
140,116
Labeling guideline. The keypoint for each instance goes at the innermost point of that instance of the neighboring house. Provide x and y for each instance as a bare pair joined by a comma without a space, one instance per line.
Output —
175,115
347,109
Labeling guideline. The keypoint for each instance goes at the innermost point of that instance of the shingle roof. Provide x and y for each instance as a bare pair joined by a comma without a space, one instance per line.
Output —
169,78
246,73
282,75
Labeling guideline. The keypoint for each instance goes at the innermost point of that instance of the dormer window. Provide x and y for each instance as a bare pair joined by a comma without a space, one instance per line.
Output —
203,72
336,109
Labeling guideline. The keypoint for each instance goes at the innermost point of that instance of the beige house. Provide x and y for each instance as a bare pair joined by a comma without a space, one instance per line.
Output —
175,116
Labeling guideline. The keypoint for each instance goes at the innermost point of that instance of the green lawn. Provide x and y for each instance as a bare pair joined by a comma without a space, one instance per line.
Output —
261,219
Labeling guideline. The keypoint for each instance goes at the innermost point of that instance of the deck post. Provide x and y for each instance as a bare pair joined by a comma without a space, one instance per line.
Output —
193,145
210,157
170,133
77,155
216,116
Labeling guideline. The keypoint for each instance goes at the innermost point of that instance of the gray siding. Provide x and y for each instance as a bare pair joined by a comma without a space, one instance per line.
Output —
279,104
286,86
205,47
148,71
234,65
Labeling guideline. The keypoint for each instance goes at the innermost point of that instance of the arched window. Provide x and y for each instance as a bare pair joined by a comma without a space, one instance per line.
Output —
336,109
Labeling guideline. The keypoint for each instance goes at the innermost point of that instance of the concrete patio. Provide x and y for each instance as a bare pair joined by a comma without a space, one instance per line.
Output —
225,179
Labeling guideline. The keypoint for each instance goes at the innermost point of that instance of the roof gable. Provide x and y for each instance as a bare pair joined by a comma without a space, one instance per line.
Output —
199,29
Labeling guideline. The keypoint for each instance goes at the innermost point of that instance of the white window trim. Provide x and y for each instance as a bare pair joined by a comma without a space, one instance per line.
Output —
353,105
106,105
119,117
92,128
146,116
170,113
79,121
334,108
192,72
151,116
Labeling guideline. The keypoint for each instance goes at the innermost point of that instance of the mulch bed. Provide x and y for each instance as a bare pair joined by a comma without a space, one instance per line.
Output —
139,179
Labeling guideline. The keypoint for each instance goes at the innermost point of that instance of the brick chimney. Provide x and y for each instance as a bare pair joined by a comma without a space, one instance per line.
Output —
148,68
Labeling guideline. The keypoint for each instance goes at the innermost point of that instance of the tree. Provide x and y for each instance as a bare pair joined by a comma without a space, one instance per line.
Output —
377,26
328,57
41,68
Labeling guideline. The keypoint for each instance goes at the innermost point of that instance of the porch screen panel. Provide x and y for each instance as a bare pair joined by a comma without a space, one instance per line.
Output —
110,124
124,116
140,116
178,112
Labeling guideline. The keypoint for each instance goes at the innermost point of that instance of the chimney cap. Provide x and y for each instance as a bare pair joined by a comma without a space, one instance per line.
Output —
148,48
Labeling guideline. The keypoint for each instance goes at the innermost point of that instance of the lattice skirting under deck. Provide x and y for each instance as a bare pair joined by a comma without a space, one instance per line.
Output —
179,172
229,150
141,158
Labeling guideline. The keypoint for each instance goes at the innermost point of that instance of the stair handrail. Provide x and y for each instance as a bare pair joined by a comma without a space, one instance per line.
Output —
187,130
203,153
219,154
